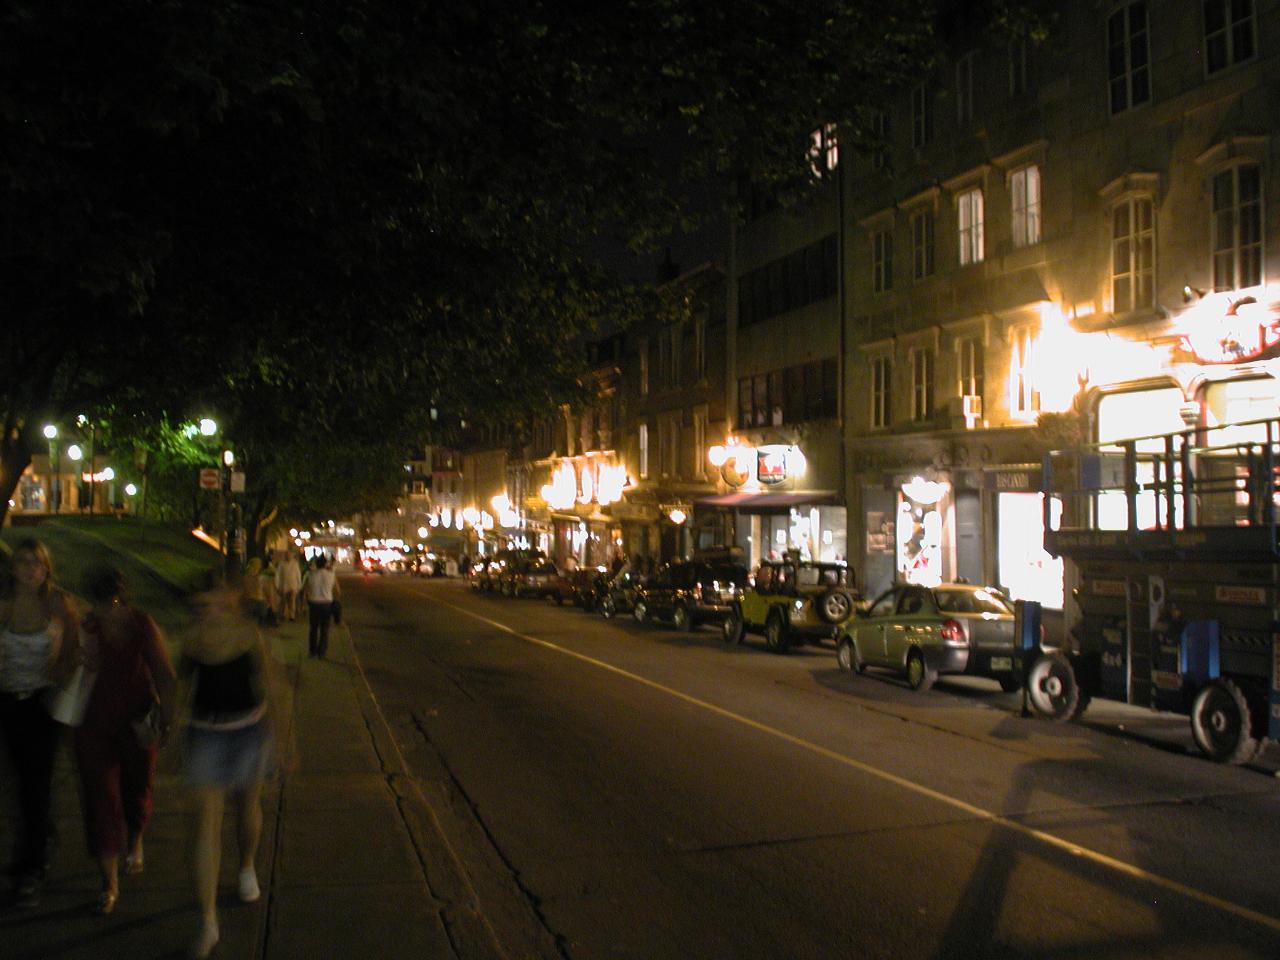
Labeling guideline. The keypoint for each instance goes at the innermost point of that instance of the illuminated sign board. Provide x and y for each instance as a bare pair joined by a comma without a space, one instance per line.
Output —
1245,331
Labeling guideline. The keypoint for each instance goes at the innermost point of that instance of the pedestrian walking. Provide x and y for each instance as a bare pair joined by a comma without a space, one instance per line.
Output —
322,590
270,615
288,584
38,631
229,747
129,712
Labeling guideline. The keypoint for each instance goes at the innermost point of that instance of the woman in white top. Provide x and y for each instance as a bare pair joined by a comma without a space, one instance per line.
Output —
322,590
288,583
38,648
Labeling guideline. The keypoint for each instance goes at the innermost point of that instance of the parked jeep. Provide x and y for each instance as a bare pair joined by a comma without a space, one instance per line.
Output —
793,602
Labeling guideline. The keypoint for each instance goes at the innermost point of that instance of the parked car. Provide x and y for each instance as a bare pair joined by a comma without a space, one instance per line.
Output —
585,585
690,594
483,574
923,632
541,579
792,602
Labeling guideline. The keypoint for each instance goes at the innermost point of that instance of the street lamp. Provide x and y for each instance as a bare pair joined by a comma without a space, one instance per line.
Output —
51,434
208,427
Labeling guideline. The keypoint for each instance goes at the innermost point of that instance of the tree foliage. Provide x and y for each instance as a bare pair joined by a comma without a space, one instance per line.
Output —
329,217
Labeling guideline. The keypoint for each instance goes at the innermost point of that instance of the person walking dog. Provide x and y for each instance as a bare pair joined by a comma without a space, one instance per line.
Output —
322,590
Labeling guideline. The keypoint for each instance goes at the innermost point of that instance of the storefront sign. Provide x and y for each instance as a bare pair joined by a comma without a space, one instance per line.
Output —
770,464
1254,596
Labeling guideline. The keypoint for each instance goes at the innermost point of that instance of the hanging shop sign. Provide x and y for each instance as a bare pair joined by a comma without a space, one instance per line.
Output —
1245,331
770,464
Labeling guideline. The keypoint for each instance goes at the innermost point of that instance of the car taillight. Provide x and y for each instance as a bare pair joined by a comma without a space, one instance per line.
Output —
952,632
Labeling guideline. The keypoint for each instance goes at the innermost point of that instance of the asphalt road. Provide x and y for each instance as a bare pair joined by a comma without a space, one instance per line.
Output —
617,790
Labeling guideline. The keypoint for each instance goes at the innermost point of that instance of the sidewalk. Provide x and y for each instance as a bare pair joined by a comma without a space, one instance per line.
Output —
343,863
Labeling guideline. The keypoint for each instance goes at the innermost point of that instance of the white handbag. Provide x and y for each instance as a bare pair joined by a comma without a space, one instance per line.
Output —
67,701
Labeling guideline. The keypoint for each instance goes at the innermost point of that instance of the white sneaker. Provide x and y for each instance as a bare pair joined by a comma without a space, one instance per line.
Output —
203,945
249,892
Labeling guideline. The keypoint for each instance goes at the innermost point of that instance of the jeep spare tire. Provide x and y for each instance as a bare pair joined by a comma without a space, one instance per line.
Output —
834,606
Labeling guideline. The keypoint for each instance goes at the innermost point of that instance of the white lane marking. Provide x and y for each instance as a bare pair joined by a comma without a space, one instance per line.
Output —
978,813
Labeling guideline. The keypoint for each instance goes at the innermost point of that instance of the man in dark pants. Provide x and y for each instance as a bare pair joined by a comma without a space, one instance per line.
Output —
321,589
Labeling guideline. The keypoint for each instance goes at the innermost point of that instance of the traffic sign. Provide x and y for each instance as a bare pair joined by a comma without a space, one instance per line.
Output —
209,478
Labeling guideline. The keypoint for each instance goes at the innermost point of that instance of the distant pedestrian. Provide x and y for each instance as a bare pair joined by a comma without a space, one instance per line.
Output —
229,747
288,585
38,648
117,763
270,611
321,589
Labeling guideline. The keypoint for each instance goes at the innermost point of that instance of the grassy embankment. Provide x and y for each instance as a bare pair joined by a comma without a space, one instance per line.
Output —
165,565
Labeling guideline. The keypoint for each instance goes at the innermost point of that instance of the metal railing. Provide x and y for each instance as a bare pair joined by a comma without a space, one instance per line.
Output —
1202,477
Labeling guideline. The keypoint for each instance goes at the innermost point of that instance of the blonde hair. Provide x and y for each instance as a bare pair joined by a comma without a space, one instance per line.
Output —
41,553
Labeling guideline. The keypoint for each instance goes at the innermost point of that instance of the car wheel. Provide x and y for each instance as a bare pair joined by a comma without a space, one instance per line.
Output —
1052,688
834,606
680,618
920,676
847,657
733,628
640,611
1221,725
607,608
775,633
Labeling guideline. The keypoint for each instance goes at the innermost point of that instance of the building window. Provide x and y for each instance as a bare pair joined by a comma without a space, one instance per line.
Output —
1024,184
699,442
1128,59
699,347
922,384
1228,32
824,150
643,439
1237,228
969,217
806,276
921,121
669,445
881,392
969,366
1132,255
1023,399
964,88
922,244
880,135
644,368
882,260
1019,82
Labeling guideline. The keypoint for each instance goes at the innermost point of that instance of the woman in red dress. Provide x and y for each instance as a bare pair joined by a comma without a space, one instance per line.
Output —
116,768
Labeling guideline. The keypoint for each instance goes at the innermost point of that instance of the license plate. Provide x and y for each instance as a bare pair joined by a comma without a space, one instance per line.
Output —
1002,663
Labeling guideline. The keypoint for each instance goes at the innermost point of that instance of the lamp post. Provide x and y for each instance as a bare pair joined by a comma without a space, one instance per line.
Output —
75,454
51,434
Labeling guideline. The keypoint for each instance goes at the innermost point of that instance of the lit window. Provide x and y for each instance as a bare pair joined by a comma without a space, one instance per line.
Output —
824,150
881,410
1237,228
1128,59
1228,32
1024,185
882,261
1132,255
643,439
969,366
922,384
1023,400
964,88
921,122
969,217
922,244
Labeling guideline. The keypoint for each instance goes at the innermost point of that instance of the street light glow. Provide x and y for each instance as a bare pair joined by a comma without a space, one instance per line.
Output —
208,427
50,432
228,457
131,489
75,453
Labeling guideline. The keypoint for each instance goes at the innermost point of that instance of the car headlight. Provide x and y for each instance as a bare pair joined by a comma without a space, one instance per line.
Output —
799,604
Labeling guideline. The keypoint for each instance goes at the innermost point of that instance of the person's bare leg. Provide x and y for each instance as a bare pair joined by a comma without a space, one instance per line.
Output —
208,855
110,867
249,812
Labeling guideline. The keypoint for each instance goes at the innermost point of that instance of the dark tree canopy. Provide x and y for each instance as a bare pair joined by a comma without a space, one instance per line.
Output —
249,206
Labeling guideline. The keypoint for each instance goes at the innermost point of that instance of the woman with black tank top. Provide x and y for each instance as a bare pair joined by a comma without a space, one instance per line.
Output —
228,750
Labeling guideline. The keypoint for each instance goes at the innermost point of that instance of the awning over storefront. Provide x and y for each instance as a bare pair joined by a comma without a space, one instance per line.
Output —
768,502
